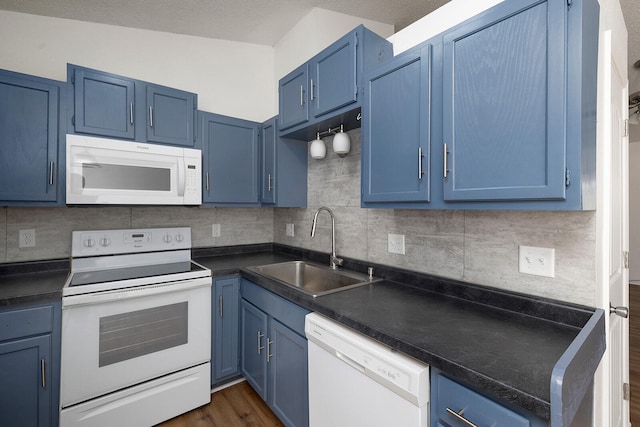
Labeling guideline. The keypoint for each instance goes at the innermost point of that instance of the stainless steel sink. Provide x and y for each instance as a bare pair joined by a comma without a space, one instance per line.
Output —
313,279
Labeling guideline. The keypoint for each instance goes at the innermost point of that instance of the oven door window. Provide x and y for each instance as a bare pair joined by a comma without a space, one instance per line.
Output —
133,334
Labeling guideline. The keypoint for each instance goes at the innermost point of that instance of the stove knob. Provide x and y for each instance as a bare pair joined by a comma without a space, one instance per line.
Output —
167,238
89,243
179,237
105,241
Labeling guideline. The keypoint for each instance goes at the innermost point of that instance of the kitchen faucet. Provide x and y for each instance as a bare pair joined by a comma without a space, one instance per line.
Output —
334,261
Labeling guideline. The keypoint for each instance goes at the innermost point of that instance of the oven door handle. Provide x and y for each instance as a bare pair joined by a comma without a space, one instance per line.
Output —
182,177
137,292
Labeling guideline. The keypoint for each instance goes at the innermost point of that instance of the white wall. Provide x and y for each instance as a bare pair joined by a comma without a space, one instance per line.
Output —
231,78
317,30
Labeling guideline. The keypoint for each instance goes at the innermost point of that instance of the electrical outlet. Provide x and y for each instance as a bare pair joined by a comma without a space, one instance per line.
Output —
536,261
215,230
396,243
27,238
290,230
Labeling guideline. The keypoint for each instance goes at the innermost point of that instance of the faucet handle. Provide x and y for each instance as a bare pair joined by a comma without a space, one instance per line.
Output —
335,261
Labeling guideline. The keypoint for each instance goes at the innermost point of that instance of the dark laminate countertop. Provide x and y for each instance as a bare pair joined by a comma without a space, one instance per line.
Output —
503,343
32,282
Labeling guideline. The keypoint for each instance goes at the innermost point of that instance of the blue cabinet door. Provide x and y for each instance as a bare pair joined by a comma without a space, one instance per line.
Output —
253,359
103,104
289,389
230,149
504,104
395,130
225,318
333,81
293,97
25,382
28,138
170,116
269,136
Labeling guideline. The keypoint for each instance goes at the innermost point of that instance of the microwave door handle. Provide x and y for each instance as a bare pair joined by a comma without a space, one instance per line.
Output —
182,178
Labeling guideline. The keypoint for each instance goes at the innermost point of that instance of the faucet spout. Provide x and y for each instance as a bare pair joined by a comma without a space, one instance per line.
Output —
334,261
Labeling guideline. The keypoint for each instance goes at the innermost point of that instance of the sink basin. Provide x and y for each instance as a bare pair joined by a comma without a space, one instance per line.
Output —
313,279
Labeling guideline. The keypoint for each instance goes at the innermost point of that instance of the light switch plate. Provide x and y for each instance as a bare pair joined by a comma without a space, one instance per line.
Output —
215,230
536,261
396,244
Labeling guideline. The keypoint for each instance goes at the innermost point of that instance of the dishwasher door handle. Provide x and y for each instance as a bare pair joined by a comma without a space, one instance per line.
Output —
349,361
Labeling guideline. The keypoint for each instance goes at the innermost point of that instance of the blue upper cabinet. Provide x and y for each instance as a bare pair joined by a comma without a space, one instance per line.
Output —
230,150
284,169
29,133
104,104
395,130
113,106
293,104
269,145
171,117
504,104
333,76
509,106
326,91
519,108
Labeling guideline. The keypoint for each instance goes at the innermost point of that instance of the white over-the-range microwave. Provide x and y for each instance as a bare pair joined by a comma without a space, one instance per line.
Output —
104,171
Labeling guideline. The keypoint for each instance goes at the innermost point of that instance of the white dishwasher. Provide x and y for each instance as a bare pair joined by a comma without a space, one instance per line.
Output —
355,381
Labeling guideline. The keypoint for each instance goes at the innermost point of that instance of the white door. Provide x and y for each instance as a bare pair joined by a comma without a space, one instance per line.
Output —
613,228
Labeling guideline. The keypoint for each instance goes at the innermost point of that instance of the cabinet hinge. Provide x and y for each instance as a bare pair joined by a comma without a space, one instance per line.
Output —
626,391
73,79
73,120
356,37
569,2
626,259
567,177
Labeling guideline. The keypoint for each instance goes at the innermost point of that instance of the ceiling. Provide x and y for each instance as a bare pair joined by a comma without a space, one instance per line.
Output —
252,21
260,21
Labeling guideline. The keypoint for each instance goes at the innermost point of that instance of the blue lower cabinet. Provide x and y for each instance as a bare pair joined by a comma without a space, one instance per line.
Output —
30,366
225,326
456,405
274,353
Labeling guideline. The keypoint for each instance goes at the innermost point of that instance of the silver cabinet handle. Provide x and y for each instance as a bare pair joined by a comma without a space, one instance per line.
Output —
459,416
620,311
207,181
43,373
445,166
259,341
301,95
150,116
269,355
312,91
420,157
269,183
51,169
131,113
220,305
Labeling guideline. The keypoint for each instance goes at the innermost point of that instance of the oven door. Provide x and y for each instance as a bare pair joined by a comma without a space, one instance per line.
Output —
116,339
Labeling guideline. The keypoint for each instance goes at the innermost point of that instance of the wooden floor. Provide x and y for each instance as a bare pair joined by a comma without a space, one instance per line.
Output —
634,352
235,406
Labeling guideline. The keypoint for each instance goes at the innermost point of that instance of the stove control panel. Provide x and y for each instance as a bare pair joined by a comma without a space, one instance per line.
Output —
110,242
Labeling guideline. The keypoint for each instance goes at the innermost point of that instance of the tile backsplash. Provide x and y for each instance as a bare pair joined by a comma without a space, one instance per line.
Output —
476,246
